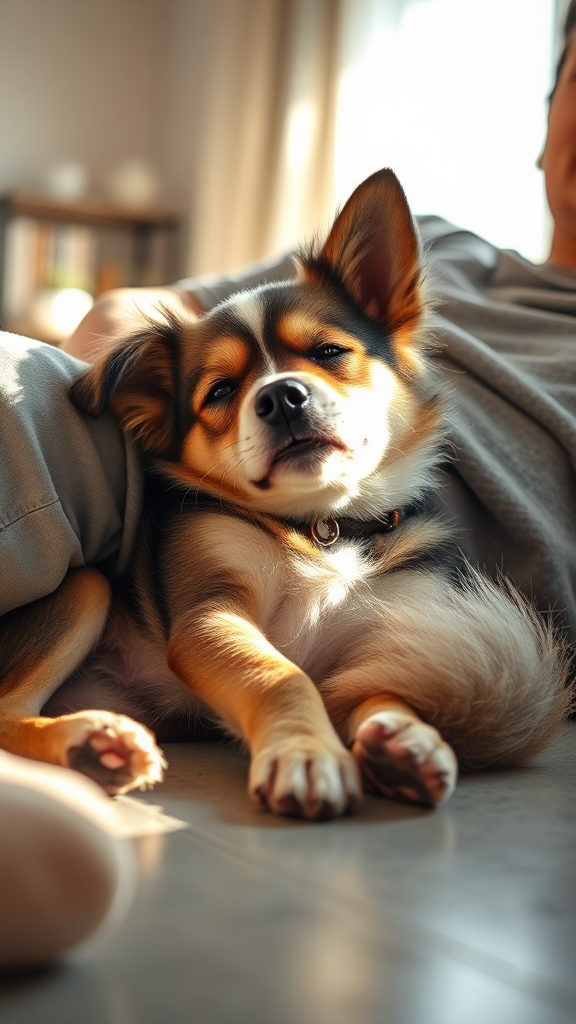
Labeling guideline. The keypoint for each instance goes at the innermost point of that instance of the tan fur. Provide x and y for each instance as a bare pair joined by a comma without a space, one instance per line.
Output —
76,614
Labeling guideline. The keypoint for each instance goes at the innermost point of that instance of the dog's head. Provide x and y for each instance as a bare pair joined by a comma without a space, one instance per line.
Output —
301,398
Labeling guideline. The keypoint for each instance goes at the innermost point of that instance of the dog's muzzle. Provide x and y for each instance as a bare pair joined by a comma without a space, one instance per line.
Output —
281,401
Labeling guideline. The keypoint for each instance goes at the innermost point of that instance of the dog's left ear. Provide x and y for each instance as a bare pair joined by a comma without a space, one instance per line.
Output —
374,249
135,378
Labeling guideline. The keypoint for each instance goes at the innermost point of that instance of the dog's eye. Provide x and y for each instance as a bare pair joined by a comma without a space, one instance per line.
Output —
220,392
327,351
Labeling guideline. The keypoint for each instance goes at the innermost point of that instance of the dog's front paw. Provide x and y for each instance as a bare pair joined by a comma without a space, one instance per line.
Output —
115,751
405,759
301,778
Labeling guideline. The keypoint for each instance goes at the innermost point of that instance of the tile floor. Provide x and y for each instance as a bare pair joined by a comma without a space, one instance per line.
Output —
463,915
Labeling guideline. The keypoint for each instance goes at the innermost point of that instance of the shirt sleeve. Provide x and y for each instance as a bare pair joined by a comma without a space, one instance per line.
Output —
69,489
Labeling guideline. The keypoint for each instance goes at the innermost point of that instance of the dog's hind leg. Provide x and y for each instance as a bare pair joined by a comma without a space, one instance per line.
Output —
398,754
475,663
41,644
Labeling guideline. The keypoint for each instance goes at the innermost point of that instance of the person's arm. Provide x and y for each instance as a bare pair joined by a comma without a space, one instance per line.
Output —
113,311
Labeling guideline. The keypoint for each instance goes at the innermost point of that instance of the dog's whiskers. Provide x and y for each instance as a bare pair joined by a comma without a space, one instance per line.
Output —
221,462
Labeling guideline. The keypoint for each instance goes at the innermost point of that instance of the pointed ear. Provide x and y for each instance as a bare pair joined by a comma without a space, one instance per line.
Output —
374,249
135,378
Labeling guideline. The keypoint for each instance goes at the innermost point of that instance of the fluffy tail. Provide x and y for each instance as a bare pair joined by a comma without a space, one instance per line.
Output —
482,666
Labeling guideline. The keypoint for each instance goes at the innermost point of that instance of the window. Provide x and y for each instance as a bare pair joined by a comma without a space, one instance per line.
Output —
452,95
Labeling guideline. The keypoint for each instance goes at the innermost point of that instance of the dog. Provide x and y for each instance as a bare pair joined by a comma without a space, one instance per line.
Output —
292,580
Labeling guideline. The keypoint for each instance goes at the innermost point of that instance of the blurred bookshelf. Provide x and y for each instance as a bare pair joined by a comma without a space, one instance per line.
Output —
57,256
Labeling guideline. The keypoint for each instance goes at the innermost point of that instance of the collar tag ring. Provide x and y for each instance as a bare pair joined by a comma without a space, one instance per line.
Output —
325,531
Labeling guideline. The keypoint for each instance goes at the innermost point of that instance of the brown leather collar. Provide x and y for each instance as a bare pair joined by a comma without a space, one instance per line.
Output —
323,531
326,530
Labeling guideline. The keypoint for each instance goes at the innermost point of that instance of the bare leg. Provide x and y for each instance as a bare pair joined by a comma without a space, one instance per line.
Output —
62,871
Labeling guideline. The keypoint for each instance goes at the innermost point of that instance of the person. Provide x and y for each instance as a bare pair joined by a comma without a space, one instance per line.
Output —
65,871
558,157
71,488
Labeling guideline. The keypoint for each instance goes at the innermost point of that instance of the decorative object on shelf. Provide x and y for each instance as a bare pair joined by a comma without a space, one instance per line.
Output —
133,183
67,180
90,245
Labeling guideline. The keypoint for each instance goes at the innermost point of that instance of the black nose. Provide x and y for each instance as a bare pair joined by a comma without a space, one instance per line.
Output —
281,401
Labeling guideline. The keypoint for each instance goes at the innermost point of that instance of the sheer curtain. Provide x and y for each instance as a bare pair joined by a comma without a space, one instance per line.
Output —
263,161
303,98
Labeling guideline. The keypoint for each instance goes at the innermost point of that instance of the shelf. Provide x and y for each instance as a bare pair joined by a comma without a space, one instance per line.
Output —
93,244
94,211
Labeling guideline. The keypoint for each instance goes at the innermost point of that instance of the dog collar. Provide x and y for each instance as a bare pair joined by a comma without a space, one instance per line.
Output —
325,530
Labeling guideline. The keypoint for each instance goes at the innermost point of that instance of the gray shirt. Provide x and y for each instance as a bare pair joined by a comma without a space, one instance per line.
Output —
69,485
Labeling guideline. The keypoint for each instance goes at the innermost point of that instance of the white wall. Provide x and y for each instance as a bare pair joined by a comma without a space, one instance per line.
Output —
79,80
189,26
97,81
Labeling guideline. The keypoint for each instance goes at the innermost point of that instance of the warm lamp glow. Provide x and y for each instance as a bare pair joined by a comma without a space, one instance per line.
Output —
69,307
58,311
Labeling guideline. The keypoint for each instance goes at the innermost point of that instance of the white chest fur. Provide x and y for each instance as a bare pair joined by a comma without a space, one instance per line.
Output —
321,606
310,607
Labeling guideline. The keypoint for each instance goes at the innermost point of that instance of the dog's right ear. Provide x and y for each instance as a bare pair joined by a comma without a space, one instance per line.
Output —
374,250
135,378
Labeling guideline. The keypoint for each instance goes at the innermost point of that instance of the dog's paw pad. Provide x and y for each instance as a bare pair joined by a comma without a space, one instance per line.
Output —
118,753
404,759
305,783
112,760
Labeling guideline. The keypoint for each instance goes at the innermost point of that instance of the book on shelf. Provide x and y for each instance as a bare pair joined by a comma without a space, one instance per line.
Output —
43,256
21,267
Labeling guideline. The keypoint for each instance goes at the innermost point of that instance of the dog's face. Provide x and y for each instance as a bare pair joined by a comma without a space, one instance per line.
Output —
295,400
298,398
